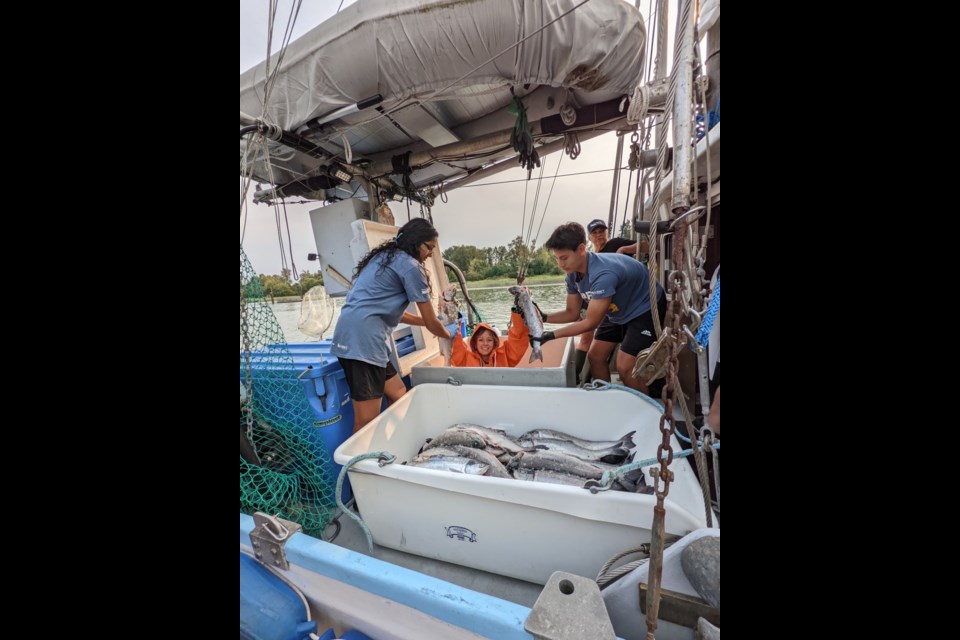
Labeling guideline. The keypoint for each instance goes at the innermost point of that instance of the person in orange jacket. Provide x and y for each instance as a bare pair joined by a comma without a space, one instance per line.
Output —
487,349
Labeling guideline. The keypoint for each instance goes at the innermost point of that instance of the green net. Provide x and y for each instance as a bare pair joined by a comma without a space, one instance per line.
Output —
285,467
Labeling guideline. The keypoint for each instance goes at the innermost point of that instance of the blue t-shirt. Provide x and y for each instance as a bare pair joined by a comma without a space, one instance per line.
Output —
375,306
616,276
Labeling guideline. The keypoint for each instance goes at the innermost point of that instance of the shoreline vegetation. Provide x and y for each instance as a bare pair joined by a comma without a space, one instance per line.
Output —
489,283
509,282
484,268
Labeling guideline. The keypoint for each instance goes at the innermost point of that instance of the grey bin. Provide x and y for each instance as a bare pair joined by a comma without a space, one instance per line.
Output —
556,370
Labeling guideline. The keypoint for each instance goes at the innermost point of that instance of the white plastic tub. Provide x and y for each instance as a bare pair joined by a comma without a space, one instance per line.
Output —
525,530
556,370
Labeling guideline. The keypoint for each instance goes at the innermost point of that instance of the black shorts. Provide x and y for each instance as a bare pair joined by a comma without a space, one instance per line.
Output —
634,336
366,381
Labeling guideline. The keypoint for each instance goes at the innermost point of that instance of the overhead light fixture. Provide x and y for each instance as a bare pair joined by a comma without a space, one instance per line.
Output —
399,197
342,175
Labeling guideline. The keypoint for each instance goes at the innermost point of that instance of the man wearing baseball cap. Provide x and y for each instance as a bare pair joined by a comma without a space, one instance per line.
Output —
597,232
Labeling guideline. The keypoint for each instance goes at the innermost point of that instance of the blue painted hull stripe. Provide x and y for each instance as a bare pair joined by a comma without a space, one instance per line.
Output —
477,612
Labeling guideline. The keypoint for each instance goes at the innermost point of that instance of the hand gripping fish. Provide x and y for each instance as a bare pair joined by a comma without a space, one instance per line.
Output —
531,317
447,313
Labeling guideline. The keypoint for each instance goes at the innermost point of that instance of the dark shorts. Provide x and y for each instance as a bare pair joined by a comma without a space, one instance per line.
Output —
634,336
366,381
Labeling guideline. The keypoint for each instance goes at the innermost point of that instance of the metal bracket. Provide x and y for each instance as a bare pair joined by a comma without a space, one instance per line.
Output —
268,537
652,361
680,608
570,607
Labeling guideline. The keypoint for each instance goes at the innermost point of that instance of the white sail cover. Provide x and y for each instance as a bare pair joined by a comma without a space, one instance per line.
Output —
404,49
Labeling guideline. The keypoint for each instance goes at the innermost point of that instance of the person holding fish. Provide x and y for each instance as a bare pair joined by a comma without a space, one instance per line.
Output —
616,287
602,243
486,348
385,281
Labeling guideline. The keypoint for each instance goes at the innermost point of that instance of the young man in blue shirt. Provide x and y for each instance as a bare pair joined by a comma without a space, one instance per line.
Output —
599,237
616,287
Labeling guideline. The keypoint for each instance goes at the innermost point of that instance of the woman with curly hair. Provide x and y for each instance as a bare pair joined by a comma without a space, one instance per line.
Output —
386,280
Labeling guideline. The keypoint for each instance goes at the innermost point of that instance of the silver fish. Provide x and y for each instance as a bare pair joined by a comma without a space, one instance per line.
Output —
437,451
454,436
456,464
556,477
478,427
493,437
447,313
614,453
523,474
557,462
626,442
531,317
497,470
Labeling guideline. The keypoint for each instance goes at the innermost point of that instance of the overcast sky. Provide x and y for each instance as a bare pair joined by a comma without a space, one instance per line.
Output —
482,216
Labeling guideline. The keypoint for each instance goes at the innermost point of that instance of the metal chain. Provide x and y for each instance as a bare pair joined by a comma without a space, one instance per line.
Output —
634,161
663,476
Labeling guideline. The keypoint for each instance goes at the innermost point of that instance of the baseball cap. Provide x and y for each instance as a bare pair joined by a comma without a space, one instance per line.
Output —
596,224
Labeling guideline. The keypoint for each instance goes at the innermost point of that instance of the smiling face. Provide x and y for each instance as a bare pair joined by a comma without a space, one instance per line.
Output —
572,261
485,343
427,248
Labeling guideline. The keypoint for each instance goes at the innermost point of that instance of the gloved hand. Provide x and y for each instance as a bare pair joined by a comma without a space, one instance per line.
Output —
546,337
517,310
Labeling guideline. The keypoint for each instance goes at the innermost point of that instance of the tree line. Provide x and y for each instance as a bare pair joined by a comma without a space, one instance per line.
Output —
502,262
283,285
476,264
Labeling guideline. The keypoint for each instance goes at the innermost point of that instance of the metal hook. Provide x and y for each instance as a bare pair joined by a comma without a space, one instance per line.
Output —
693,339
275,528
695,320
689,216
595,487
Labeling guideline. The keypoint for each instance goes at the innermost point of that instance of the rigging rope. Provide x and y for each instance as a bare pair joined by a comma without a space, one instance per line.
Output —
637,111
543,215
384,457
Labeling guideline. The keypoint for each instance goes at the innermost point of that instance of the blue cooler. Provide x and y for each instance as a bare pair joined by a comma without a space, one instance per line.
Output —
326,391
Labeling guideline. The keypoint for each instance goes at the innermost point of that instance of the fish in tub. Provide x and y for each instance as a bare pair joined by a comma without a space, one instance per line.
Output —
525,530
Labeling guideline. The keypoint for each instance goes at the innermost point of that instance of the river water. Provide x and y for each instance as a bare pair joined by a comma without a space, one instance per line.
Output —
493,303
